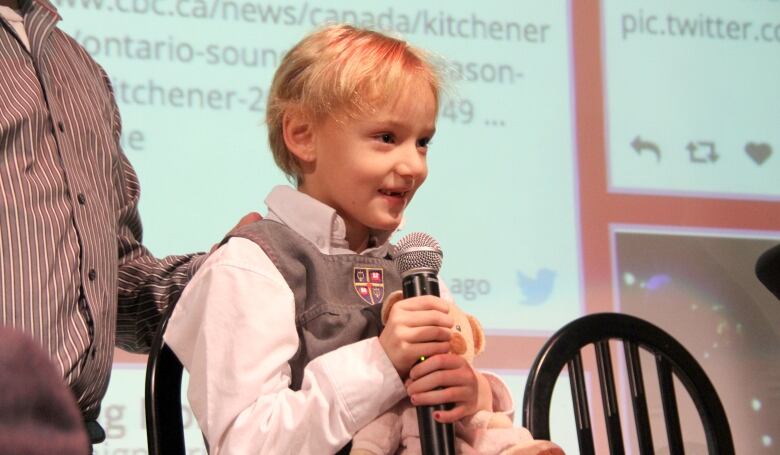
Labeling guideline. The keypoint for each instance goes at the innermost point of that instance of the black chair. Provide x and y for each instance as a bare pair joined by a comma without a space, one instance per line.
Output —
768,269
563,349
164,423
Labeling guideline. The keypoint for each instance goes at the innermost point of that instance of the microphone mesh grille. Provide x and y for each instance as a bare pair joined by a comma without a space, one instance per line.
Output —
418,250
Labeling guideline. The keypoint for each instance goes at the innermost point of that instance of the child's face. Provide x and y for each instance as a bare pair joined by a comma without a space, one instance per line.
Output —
369,168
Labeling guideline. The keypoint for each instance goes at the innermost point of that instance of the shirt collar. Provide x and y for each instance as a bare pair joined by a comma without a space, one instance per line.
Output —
26,5
319,223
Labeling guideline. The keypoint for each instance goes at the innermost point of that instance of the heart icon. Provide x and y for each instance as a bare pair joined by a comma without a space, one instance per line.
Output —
758,152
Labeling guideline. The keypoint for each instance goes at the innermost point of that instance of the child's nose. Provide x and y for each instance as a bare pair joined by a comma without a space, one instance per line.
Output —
412,163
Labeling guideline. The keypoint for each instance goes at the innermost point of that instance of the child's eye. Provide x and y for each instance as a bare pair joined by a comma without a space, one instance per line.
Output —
387,138
424,142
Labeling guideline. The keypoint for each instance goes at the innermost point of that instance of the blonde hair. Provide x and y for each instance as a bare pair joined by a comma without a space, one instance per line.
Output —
341,70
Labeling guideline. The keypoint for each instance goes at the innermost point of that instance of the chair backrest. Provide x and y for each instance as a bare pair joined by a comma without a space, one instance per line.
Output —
768,269
164,423
563,349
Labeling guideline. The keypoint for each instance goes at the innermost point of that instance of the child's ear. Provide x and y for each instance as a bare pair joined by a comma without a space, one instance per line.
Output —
298,132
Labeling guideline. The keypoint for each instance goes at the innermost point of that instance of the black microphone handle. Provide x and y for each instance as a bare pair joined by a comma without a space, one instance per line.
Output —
436,438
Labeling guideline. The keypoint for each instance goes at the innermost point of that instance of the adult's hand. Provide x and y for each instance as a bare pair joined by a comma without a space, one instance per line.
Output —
249,218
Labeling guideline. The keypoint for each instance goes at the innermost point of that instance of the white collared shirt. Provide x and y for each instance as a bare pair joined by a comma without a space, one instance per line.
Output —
234,331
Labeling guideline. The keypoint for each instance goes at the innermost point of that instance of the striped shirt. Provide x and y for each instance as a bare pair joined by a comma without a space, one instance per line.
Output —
73,271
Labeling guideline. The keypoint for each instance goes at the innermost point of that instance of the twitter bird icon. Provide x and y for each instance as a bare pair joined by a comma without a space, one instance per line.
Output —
536,290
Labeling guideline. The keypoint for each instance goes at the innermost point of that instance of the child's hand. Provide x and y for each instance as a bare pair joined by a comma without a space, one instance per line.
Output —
449,378
416,327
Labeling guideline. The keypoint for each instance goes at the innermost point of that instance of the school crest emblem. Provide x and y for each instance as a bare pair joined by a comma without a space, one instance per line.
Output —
369,284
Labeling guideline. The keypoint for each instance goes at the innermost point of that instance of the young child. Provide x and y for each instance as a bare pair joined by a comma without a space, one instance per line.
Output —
284,355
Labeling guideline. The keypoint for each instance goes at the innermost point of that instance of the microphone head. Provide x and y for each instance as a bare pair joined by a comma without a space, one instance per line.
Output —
417,252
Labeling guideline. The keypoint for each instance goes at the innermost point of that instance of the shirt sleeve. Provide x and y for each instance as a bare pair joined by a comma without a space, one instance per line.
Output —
234,331
145,284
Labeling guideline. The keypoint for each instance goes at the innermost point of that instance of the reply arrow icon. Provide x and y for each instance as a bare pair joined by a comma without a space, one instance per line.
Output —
640,146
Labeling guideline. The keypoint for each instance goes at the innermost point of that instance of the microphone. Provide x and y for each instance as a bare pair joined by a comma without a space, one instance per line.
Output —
418,260
768,270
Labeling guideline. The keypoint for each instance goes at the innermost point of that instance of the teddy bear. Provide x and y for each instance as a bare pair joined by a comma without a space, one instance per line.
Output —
486,433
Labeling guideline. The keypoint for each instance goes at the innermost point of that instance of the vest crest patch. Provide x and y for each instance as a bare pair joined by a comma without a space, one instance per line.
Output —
369,283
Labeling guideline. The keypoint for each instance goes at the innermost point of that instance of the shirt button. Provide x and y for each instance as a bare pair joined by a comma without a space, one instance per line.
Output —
61,127
92,274
81,198
94,352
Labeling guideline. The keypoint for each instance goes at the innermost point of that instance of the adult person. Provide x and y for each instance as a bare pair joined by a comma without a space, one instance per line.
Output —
38,415
74,274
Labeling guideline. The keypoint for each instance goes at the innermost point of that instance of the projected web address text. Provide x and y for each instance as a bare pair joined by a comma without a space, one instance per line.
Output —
420,22
152,93
230,55
703,26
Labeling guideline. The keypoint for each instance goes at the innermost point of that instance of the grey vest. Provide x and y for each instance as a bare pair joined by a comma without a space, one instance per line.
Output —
337,297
